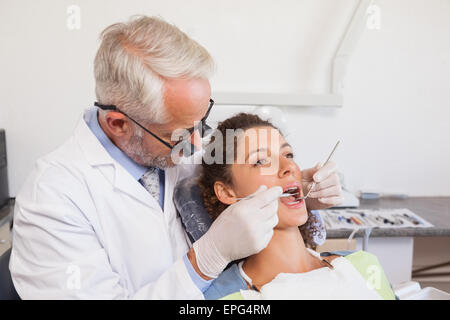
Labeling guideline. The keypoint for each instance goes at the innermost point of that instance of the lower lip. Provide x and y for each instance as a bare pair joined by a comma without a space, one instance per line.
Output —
295,205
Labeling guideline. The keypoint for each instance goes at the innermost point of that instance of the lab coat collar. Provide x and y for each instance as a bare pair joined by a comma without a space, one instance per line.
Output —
92,149
97,156
135,169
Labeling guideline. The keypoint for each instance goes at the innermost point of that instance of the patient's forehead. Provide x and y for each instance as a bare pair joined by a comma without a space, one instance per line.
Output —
258,138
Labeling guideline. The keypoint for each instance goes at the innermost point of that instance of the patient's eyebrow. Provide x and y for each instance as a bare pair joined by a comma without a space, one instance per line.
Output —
254,151
284,145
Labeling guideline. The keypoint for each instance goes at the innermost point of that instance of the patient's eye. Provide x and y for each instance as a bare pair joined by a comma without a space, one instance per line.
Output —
260,162
290,155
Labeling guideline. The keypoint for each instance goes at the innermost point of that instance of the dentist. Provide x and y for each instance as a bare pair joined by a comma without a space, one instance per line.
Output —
95,218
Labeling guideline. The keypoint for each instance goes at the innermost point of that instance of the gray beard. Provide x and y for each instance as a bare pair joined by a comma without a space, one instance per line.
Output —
135,150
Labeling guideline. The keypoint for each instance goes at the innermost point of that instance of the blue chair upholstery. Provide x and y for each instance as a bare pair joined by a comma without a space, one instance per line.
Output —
7,291
188,201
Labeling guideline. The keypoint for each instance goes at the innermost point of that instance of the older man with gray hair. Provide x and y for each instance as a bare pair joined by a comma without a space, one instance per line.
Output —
95,218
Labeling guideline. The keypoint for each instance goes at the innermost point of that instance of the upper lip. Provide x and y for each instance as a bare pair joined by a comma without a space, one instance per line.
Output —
290,185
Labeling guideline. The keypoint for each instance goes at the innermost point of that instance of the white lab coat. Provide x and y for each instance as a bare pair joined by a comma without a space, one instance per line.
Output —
85,229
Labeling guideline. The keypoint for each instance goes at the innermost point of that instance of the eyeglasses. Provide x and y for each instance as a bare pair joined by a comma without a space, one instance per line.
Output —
201,127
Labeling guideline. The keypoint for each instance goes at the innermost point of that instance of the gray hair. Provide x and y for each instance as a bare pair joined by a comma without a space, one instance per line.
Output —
135,57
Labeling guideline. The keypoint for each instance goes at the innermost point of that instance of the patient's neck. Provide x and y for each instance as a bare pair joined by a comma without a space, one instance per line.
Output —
285,253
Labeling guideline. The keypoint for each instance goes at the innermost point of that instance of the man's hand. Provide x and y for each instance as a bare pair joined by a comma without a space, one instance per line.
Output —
241,230
327,192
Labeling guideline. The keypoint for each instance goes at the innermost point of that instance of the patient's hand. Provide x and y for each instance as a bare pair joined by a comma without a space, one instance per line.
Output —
327,192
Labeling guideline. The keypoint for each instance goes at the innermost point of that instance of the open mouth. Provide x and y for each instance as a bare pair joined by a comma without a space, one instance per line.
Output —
295,199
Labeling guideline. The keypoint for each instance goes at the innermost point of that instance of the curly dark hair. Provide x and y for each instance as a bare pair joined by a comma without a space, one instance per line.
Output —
212,172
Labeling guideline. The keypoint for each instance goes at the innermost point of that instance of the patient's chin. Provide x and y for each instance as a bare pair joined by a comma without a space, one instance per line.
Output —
304,219
292,218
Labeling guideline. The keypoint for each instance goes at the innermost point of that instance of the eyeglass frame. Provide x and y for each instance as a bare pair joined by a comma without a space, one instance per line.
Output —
204,126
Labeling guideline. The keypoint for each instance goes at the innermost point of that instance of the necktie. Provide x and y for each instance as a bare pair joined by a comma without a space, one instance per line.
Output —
150,181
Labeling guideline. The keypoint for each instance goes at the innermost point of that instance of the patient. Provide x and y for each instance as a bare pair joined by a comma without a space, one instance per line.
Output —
289,267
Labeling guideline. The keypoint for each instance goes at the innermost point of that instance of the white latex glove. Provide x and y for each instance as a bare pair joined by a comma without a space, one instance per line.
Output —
241,230
327,191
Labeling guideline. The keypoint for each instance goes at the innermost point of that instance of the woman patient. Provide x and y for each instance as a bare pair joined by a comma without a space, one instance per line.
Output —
288,268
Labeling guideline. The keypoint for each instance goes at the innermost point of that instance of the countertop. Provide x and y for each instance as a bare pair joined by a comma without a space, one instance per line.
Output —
435,210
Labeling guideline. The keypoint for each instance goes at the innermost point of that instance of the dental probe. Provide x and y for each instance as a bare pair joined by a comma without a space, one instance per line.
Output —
314,183
283,195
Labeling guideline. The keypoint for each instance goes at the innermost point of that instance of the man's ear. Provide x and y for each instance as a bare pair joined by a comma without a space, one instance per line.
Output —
224,193
117,124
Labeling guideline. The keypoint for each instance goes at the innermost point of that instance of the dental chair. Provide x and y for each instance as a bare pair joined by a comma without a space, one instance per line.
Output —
7,290
196,221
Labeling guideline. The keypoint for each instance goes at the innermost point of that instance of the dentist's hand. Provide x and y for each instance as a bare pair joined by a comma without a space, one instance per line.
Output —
241,230
327,192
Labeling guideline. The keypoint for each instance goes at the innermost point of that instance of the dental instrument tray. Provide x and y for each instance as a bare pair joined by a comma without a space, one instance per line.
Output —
364,218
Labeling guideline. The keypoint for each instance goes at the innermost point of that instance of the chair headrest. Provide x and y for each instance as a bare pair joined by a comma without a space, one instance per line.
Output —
196,220
189,203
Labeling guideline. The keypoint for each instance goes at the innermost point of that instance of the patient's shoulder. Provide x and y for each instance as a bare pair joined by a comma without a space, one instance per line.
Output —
370,268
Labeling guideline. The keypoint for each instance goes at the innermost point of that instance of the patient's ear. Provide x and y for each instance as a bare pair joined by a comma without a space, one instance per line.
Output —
224,193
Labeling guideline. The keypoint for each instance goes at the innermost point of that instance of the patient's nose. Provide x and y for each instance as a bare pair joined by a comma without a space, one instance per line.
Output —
287,167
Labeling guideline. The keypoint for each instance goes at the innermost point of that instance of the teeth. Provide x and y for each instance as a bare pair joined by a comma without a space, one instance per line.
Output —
292,190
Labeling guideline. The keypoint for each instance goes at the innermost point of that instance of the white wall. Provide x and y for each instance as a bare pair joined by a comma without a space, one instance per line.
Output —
394,124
